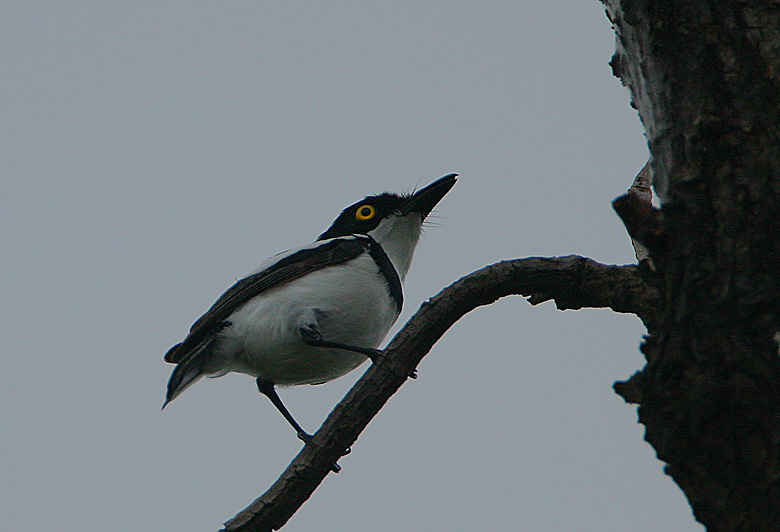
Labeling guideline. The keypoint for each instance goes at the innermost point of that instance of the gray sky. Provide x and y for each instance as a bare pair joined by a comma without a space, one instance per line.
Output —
153,153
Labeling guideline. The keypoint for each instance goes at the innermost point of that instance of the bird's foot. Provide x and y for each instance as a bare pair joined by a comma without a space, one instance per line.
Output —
307,438
378,355
374,355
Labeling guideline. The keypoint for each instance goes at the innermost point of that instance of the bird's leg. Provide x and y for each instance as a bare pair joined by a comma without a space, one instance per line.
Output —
311,335
267,388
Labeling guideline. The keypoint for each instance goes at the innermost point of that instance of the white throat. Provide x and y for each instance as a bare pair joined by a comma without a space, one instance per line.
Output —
398,236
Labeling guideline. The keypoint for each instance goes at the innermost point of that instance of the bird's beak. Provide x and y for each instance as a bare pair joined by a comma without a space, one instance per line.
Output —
424,200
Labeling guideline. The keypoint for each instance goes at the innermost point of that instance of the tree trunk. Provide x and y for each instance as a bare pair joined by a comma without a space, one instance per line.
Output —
704,78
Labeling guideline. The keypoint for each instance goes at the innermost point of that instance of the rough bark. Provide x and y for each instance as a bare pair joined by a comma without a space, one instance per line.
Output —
704,77
572,282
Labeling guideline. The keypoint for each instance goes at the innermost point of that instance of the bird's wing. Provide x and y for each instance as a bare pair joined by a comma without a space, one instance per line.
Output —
289,267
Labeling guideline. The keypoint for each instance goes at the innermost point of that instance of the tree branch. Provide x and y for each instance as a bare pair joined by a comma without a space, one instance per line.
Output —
573,282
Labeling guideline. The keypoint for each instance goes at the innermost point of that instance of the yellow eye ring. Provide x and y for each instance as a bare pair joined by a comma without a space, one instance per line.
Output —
365,212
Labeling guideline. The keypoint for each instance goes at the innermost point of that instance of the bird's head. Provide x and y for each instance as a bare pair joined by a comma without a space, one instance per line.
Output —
393,220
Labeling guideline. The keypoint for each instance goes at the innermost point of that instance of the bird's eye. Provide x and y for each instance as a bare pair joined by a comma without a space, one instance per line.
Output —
365,212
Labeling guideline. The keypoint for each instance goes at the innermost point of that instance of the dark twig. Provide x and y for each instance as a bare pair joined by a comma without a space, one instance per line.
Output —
572,282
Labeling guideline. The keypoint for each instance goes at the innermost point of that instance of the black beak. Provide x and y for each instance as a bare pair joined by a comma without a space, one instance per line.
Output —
424,200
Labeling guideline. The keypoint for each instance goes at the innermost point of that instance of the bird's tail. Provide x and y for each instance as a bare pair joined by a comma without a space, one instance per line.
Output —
189,369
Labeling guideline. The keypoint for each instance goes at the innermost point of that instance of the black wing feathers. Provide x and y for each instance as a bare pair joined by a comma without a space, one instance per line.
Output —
297,265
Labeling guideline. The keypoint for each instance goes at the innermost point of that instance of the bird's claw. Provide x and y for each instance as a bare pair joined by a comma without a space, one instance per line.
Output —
375,355
305,438
335,467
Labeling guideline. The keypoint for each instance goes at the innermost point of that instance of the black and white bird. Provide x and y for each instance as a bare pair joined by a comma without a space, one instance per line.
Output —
312,314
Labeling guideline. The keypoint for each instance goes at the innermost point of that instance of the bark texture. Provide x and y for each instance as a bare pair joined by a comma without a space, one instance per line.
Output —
704,78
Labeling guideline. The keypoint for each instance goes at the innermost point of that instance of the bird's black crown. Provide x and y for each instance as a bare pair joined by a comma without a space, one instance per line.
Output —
364,216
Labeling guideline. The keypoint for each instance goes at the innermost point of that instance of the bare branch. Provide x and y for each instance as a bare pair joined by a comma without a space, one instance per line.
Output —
572,282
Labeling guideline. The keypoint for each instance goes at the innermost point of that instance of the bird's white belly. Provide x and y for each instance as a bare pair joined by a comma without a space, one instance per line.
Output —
350,304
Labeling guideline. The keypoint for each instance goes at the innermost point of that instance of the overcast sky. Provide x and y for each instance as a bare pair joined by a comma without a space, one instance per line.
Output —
153,153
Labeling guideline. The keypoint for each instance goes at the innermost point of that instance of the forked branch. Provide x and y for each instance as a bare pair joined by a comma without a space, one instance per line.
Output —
573,282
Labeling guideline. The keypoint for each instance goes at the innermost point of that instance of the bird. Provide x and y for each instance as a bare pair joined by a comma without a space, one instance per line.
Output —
314,313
